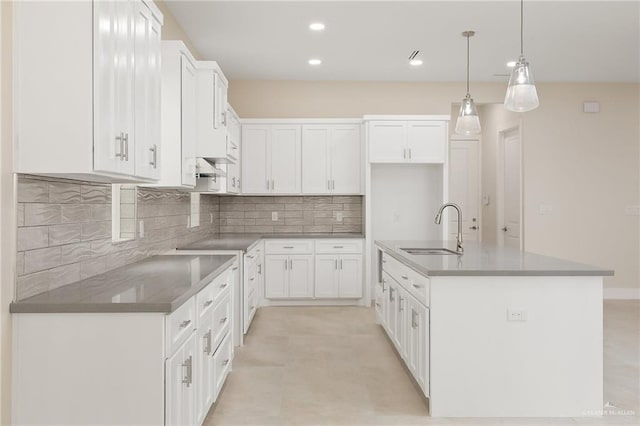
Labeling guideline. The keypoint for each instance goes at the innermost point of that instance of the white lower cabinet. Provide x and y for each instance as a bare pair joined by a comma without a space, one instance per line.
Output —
401,310
180,388
289,276
338,276
253,283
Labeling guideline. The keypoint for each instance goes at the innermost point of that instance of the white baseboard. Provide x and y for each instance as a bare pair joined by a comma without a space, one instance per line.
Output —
622,293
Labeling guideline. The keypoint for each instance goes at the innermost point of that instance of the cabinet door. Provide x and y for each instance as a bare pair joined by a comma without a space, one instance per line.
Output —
112,68
426,141
147,92
285,155
276,276
392,309
387,141
125,84
350,275
204,368
418,338
188,122
315,159
180,387
400,321
346,160
255,140
300,275
384,300
220,101
327,282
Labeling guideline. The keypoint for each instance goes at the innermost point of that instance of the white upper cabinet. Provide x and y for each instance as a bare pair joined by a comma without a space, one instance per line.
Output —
233,169
407,141
271,157
331,159
212,124
177,154
94,115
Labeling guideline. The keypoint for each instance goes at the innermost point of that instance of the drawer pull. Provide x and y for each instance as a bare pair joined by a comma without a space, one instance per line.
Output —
224,285
185,323
223,320
288,247
207,337
338,246
404,277
234,268
250,257
208,303
252,278
377,304
225,362
188,377
252,307
417,286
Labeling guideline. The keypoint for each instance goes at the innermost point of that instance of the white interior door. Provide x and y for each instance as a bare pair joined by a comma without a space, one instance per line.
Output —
510,228
345,159
315,159
286,159
464,187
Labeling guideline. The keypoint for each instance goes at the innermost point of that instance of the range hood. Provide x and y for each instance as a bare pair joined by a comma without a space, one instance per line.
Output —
207,168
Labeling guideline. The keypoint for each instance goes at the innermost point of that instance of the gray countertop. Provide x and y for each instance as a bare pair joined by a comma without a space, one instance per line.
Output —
485,260
157,284
244,242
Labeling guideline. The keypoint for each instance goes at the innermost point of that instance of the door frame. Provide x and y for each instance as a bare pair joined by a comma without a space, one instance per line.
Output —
458,138
515,126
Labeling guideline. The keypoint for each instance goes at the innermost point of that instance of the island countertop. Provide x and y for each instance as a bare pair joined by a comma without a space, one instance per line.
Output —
158,284
244,242
485,260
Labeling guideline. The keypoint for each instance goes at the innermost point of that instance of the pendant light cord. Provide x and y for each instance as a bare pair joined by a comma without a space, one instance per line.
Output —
521,27
467,64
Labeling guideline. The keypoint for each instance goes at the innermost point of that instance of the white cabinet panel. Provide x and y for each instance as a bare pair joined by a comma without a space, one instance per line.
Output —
277,276
212,118
315,159
285,156
426,141
180,388
418,340
255,141
188,122
346,160
203,367
301,276
350,276
327,284
387,141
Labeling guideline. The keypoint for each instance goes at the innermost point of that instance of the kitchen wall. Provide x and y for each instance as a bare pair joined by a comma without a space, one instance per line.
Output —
586,165
295,214
64,230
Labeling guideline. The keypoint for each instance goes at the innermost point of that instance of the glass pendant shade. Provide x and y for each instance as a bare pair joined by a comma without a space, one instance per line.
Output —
521,93
468,122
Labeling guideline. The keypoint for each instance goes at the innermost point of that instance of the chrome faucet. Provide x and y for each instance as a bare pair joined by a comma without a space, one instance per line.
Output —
438,219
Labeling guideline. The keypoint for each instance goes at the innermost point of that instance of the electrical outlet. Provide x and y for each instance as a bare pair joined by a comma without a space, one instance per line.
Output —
211,217
632,210
338,216
517,315
141,229
274,216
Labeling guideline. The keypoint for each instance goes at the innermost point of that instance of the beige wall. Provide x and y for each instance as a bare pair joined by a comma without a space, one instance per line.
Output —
171,30
586,165
7,213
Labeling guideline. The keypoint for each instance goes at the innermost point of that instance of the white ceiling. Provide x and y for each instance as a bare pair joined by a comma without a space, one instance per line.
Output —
371,40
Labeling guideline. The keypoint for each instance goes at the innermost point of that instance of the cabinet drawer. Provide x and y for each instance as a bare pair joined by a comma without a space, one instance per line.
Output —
339,246
221,320
288,246
419,286
222,360
179,325
412,281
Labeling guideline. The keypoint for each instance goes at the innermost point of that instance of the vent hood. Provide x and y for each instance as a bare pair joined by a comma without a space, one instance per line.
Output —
207,168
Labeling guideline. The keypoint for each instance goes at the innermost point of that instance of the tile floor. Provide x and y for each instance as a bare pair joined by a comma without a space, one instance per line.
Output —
334,366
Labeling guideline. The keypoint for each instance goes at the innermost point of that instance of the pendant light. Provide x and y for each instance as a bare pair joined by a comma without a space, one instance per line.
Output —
468,121
521,93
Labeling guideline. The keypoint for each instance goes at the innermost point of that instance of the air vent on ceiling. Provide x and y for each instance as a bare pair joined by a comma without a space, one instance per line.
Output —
413,54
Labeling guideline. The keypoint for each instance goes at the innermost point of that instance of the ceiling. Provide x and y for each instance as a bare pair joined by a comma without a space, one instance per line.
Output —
371,40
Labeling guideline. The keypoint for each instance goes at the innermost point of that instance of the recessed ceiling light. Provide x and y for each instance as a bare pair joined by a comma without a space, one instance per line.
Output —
315,61
416,62
511,64
316,26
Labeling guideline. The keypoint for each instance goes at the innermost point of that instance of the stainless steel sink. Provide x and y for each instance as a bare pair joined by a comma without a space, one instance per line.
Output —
429,251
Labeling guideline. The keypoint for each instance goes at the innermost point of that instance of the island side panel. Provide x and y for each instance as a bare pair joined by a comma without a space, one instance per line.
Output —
80,369
483,365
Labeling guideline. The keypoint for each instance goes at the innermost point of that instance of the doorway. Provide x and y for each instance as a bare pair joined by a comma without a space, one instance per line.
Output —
464,186
509,232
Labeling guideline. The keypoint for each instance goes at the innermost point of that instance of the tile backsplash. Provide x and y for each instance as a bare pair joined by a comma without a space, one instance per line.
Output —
64,230
305,214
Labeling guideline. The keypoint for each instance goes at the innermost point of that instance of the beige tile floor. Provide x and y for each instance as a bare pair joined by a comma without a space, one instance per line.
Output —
334,366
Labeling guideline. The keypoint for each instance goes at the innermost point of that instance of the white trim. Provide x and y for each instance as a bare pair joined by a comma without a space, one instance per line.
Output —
300,121
621,294
407,117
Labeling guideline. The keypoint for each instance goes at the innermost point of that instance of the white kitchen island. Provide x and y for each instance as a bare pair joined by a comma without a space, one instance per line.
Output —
494,332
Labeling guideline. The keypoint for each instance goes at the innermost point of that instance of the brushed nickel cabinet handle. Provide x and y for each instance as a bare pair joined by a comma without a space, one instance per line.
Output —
336,264
207,337
126,147
188,377
224,285
120,140
223,320
404,277
208,303
185,323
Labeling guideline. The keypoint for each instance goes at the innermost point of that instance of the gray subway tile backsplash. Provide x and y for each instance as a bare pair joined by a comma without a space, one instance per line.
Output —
64,226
